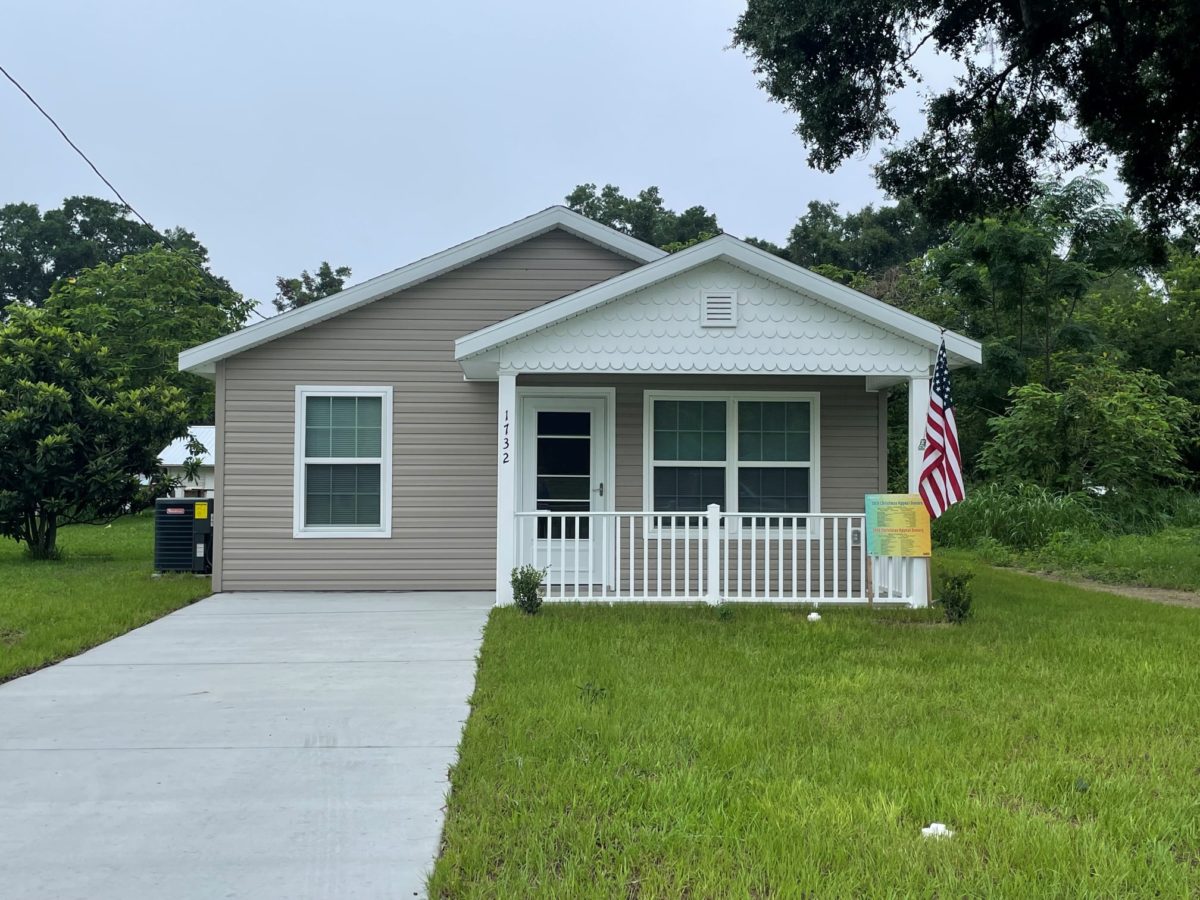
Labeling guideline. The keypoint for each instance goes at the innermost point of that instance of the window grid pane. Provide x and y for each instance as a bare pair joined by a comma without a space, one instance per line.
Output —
774,431
689,430
688,489
346,427
346,494
773,490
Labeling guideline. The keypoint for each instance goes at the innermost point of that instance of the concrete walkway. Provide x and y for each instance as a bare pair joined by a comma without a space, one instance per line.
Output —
252,745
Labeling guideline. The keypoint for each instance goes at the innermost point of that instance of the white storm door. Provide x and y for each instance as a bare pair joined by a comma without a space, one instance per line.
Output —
566,466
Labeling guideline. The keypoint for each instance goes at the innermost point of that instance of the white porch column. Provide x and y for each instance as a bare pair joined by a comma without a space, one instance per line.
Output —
918,411
506,484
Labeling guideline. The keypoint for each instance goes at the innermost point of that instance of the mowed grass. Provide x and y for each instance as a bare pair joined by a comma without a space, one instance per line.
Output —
689,752
100,589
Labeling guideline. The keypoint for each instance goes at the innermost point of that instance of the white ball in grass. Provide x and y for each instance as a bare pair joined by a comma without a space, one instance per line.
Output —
937,830
814,617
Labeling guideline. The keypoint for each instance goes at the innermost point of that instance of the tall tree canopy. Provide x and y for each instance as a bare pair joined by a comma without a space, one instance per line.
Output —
869,241
37,249
144,309
303,290
1041,85
644,216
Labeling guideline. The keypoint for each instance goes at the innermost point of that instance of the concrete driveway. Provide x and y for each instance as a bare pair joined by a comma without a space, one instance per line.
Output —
252,745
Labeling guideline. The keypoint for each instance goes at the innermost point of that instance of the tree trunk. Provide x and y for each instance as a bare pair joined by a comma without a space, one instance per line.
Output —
41,535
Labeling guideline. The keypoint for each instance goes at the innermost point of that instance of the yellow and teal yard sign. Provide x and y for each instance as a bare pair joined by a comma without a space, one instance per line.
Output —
897,525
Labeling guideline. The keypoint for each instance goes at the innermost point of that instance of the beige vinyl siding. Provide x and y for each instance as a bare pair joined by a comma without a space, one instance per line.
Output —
443,450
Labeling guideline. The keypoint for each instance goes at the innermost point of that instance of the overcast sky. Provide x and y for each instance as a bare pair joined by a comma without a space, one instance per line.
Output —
373,133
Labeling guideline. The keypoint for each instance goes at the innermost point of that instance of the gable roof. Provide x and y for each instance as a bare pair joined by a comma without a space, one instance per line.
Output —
962,350
202,359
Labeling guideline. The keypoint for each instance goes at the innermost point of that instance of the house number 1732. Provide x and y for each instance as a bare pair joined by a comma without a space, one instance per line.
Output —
505,443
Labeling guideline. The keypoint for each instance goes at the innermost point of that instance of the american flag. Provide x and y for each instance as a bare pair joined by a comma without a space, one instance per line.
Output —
941,484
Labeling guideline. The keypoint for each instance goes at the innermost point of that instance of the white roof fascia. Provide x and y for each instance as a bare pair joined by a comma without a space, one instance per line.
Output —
742,254
202,359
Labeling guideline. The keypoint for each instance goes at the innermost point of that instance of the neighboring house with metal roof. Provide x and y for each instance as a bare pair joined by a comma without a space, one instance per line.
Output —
176,454
701,425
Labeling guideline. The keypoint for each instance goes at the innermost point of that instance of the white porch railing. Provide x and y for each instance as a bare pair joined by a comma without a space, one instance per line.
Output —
710,556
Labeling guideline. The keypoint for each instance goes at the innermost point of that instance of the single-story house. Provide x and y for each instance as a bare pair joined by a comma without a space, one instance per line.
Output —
699,425
176,454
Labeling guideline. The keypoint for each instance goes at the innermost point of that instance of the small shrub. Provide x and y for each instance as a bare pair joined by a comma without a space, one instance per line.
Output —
527,588
955,596
724,611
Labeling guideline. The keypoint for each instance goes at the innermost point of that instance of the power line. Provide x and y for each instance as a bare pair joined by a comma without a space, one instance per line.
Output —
74,146
129,206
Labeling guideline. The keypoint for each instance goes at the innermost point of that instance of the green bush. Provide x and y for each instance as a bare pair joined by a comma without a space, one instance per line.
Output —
955,596
527,588
1019,517
998,519
1108,428
1150,509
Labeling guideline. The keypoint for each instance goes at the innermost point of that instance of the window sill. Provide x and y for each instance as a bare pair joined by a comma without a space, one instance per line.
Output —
340,533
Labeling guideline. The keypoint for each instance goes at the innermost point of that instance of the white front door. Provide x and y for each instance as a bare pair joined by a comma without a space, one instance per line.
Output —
564,474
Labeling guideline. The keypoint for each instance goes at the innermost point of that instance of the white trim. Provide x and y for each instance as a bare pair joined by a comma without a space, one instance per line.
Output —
962,349
384,530
201,359
508,450
731,463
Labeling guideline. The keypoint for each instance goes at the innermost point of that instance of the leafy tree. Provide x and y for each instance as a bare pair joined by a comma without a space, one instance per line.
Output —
1022,277
295,292
37,249
1027,285
644,216
1041,85
1108,427
75,433
145,309
1156,323
869,241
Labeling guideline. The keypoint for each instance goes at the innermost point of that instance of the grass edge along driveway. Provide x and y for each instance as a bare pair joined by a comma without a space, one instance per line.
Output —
666,751
102,588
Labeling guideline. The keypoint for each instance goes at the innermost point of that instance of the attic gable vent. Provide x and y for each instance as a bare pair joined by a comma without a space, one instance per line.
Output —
718,309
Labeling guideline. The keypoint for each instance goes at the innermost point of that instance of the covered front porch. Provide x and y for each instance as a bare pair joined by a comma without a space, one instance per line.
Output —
642,488
704,428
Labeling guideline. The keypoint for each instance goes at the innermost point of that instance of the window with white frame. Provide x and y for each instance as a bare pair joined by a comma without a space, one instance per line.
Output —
750,453
343,462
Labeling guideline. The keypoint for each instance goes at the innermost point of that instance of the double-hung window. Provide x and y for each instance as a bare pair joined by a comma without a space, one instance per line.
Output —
748,453
343,462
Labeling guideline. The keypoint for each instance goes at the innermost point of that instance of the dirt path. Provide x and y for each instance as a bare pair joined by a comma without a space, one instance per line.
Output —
1165,596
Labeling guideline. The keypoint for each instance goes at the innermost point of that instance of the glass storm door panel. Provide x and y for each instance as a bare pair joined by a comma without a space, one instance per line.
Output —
565,469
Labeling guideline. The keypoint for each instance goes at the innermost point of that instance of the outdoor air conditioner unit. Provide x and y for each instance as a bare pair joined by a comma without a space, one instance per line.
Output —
183,535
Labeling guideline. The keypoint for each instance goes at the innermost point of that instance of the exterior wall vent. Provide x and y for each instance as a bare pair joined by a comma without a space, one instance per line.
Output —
718,309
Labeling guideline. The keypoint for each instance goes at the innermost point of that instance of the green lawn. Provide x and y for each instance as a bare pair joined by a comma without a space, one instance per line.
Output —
686,752
102,588
1168,559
